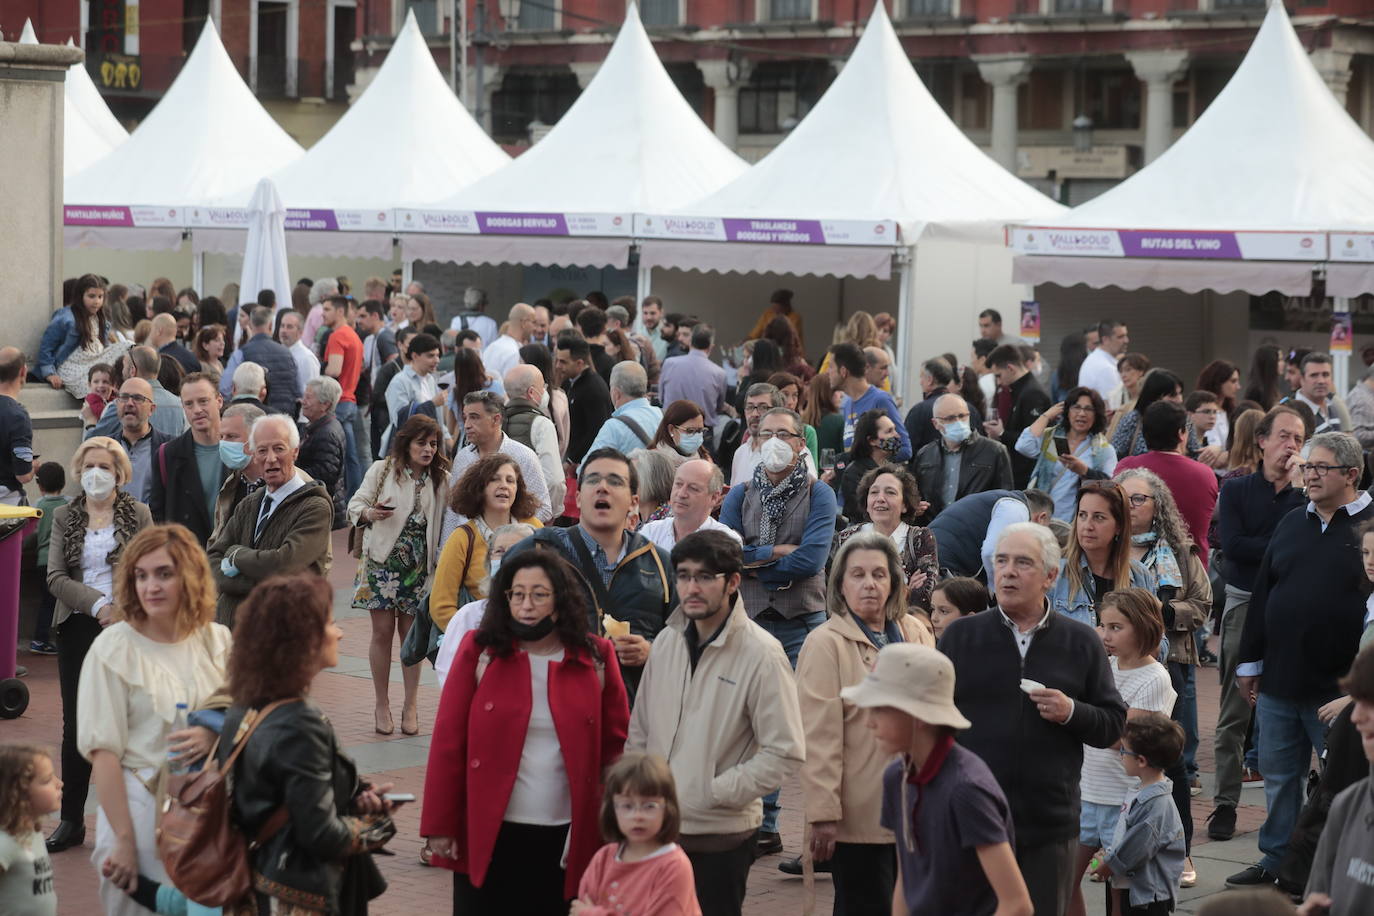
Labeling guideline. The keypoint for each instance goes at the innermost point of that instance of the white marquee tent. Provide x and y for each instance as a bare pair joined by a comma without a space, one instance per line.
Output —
206,138
876,168
348,183
89,129
630,143
1272,180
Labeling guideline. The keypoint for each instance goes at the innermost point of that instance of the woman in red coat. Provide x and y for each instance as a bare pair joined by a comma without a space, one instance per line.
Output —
532,713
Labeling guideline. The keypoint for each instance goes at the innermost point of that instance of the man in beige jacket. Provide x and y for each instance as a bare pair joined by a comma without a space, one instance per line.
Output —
717,696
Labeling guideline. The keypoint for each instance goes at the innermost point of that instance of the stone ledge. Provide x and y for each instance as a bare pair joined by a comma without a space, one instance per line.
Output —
13,54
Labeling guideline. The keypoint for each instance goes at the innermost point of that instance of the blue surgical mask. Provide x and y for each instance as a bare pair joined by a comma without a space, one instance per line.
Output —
957,431
233,455
690,443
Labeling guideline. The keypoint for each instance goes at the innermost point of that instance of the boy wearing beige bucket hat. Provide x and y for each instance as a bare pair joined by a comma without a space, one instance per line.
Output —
952,822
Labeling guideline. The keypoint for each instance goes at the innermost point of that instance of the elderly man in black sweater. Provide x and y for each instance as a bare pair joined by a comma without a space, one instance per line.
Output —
1306,613
1032,739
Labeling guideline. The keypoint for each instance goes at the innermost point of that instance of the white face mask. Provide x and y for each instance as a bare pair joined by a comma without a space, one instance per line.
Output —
777,456
97,482
544,400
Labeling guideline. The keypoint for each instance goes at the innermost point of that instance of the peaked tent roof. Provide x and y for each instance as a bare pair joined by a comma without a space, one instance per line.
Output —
86,97
82,142
630,142
434,150
1307,167
207,137
886,151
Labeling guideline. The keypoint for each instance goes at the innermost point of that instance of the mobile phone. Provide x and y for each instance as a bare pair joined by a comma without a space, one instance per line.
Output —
398,798
385,508
1061,446
444,386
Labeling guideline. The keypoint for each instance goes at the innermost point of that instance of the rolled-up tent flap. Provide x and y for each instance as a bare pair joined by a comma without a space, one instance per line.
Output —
321,244
518,249
121,238
1292,278
1346,281
742,257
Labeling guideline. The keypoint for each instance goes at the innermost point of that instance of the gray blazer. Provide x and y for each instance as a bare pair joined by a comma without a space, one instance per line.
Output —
64,579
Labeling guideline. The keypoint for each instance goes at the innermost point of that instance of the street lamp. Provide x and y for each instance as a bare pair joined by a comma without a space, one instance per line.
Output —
1082,134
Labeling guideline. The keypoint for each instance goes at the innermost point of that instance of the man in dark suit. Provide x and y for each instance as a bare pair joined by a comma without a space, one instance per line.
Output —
188,471
589,397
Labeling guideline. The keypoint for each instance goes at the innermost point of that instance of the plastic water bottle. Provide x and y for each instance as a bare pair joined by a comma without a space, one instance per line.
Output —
174,761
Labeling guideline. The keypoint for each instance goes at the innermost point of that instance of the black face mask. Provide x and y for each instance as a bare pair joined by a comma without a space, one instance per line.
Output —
532,632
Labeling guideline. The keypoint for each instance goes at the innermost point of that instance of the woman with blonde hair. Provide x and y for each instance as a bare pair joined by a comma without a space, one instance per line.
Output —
844,766
164,650
89,534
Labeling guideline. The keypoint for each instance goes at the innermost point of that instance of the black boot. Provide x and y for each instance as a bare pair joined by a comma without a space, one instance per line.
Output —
67,835
794,866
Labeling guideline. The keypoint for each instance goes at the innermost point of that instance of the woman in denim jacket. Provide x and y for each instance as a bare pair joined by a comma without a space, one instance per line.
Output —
1075,425
1099,555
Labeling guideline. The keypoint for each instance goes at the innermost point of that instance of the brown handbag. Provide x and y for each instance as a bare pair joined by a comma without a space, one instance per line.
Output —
355,532
205,855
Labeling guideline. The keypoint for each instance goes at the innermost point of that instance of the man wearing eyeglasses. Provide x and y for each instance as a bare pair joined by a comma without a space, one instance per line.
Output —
1301,633
1194,485
718,702
137,435
787,519
1248,511
961,461
759,399
626,576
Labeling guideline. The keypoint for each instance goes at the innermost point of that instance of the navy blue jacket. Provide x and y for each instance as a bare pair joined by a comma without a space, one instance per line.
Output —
283,383
1248,511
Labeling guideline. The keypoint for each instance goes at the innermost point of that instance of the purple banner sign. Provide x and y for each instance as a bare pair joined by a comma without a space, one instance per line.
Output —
522,223
323,220
1159,243
97,216
794,231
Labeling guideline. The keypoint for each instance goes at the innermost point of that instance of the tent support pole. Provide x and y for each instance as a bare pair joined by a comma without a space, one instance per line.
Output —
906,314
407,272
1340,359
644,286
198,273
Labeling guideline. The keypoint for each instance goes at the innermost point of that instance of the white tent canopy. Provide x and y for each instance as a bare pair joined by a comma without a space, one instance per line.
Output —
630,143
83,139
876,157
1242,201
352,178
206,138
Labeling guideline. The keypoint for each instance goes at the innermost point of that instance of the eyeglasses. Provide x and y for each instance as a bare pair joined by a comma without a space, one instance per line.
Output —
136,398
1082,408
1321,470
757,408
688,430
1125,751
1139,499
648,807
611,480
535,596
954,417
766,434
685,578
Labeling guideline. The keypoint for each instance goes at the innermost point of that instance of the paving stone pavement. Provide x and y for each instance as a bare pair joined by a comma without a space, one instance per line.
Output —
346,695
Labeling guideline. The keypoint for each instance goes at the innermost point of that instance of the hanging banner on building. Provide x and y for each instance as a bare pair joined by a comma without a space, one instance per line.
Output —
1342,332
772,231
1352,246
1030,321
474,222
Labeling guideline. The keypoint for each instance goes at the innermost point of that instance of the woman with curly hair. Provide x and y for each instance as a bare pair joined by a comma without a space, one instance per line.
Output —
291,772
490,494
400,507
892,501
162,649
88,536
513,812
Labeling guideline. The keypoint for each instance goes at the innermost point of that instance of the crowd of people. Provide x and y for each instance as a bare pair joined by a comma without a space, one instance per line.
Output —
656,589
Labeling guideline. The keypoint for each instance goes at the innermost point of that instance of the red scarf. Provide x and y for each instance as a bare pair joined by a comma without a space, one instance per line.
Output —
921,777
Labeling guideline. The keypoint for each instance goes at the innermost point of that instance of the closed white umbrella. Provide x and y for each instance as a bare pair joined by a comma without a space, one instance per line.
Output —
264,257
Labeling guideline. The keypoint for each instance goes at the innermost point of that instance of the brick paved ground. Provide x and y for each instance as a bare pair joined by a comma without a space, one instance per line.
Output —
346,696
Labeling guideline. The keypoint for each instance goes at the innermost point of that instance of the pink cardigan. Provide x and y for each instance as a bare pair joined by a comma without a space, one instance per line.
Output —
660,886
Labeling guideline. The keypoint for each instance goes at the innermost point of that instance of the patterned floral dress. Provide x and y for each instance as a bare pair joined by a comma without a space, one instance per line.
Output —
400,583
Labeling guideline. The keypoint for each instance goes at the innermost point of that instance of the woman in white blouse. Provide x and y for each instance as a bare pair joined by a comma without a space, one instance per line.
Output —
88,535
163,649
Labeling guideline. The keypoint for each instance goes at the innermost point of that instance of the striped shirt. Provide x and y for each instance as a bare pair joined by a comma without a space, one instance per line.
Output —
1104,780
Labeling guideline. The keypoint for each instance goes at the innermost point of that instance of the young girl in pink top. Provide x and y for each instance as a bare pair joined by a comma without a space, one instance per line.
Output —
642,871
